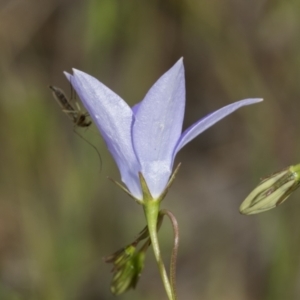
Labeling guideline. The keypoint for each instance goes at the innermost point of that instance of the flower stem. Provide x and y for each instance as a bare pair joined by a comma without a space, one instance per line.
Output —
151,209
175,249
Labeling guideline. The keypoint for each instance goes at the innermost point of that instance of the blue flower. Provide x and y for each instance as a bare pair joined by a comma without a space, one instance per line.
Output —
145,138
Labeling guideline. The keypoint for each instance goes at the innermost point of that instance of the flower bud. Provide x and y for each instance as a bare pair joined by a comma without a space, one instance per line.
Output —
128,265
272,191
127,276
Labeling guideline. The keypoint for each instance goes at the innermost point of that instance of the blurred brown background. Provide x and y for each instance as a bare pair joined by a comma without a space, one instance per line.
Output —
59,215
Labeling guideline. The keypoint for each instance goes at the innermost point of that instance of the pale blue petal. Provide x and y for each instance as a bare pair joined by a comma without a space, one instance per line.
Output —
158,126
135,108
113,118
210,120
69,76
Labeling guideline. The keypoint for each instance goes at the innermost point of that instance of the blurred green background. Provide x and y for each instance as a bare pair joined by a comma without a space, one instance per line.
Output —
59,215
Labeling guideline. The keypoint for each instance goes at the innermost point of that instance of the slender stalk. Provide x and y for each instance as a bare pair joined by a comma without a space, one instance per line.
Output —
151,209
174,250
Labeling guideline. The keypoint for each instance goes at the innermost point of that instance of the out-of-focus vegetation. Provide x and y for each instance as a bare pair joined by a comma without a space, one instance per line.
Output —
59,216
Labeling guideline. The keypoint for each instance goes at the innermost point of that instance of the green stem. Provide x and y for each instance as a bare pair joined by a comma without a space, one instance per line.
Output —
151,209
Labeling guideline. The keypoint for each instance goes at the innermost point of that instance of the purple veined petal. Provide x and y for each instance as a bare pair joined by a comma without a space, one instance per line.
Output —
113,118
206,122
158,126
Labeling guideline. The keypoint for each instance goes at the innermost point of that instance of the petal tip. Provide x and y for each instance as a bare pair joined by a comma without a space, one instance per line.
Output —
76,71
255,100
250,101
179,62
68,75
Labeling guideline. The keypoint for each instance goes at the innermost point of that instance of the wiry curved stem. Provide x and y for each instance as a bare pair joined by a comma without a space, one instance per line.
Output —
174,250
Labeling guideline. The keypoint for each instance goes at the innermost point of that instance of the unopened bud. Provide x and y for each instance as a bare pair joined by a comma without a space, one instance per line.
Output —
272,191
127,276
128,265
